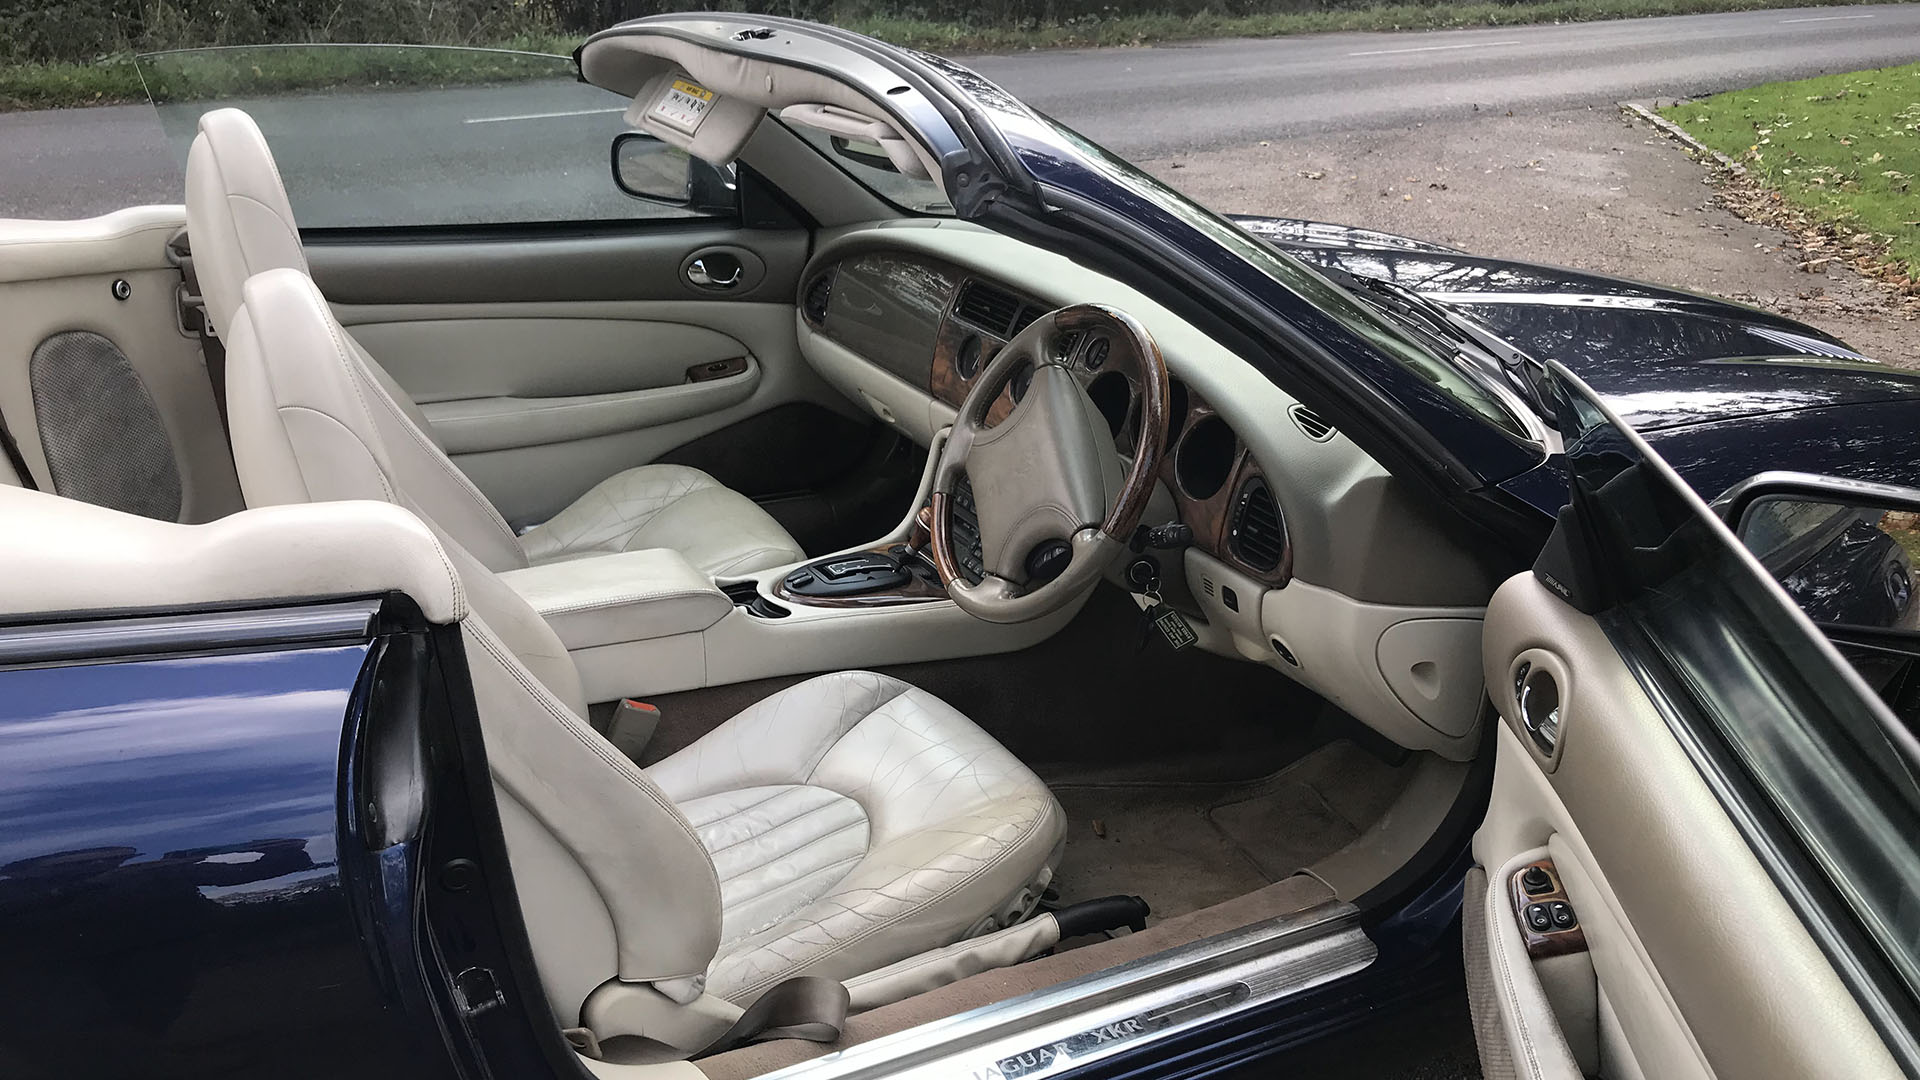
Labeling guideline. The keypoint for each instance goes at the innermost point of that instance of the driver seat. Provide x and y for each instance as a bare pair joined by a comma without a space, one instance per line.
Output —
240,224
834,829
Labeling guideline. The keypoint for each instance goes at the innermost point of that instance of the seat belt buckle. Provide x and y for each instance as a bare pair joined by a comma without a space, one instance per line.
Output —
632,727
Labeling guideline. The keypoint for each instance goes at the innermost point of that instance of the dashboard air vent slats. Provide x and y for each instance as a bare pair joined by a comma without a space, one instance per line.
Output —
1258,536
991,309
818,294
1310,424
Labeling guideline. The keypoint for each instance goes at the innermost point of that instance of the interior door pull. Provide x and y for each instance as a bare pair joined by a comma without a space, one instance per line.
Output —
715,271
717,369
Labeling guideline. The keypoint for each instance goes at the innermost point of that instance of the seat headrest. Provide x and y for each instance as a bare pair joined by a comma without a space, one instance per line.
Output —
239,222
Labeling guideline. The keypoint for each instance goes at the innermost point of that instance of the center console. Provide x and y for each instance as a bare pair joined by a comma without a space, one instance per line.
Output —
642,623
899,573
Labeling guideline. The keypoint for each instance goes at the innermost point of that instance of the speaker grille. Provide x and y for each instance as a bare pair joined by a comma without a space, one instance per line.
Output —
99,427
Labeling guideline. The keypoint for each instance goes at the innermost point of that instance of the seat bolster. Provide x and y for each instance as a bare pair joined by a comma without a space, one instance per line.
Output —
666,506
960,836
643,861
928,888
239,221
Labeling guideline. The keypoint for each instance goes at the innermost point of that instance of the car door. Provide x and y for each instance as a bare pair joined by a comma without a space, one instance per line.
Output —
460,213
1698,858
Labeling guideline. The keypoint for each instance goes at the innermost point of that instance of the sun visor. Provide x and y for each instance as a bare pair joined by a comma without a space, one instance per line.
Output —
847,124
684,113
666,76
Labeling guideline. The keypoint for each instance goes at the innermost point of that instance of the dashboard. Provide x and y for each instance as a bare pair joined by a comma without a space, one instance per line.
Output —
935,325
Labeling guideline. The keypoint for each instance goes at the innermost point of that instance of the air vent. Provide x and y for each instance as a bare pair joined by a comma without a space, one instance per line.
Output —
1026,317
987,307
1256,533
818,294
1310,424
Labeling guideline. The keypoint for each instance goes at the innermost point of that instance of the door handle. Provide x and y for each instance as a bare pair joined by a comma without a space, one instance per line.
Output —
716,271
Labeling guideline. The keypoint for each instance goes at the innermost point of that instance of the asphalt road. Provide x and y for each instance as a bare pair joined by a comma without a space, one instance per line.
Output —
529,150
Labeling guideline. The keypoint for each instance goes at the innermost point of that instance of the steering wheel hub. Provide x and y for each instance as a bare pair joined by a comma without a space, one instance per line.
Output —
1056,503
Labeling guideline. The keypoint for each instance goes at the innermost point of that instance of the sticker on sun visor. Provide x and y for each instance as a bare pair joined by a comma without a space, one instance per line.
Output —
683,106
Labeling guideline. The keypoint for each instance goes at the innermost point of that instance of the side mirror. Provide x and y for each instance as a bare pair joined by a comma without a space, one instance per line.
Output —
647,168
1844,550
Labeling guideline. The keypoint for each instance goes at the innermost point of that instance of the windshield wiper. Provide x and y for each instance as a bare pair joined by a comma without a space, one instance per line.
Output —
1520,371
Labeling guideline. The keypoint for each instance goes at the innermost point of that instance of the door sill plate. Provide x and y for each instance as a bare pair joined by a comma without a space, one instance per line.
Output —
1059,1028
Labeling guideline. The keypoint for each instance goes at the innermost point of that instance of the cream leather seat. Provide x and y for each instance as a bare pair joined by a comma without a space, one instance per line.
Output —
240,223
833,829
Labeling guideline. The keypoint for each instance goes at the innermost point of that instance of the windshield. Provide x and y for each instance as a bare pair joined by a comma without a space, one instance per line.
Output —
1365,320
369,136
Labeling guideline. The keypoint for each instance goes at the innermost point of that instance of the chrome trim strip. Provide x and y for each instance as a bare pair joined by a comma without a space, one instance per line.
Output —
1060,1028
190,632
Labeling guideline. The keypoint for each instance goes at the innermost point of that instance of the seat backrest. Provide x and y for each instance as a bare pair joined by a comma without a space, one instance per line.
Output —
240,224
612,878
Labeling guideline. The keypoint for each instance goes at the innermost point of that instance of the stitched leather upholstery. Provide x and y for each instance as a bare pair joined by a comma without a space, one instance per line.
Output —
835,828
899,826
242,225
665,506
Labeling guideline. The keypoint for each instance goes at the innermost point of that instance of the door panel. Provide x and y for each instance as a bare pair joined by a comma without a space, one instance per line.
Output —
547,365
622,262
1626,668
109,276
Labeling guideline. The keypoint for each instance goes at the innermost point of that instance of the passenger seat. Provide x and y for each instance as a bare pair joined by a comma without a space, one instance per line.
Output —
240,224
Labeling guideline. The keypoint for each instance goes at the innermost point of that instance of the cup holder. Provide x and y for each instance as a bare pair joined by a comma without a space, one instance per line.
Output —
746,594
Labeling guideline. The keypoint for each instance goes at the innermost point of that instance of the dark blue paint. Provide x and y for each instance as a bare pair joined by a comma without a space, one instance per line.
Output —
171,893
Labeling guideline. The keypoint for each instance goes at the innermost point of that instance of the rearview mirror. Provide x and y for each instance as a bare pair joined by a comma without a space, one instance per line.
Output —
647,168
1843,550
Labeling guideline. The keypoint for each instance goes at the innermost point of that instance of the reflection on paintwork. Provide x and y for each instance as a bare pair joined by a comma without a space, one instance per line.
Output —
171,896
1842,563
1873,442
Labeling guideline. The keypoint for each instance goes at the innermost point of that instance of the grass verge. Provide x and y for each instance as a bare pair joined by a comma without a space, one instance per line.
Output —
114,79
1844,148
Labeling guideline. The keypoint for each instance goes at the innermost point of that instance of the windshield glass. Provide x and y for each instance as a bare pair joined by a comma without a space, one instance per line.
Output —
369,136
1361,318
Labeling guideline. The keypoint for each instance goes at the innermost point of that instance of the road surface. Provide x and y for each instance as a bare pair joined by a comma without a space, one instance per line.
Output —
525,151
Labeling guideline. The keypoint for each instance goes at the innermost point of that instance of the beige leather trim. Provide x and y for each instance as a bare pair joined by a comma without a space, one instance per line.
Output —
1527,1018
66,556
533,483
477,425
144,328
937,967
130,239
239,221
625,596
1706,968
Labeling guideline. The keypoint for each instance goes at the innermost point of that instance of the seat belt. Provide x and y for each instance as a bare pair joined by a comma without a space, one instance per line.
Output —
14,457
808,1007
191,308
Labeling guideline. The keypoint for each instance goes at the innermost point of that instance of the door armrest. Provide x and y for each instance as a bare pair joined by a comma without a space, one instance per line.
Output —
620,597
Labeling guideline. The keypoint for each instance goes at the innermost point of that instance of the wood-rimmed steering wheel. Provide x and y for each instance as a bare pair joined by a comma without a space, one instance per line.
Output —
1056,502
